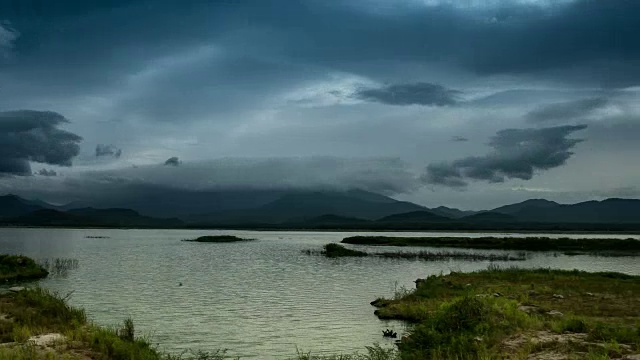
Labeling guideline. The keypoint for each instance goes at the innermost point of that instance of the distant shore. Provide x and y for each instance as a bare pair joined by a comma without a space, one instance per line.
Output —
339,229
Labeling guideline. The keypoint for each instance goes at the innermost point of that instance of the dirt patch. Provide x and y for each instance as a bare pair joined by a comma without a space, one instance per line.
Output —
551,346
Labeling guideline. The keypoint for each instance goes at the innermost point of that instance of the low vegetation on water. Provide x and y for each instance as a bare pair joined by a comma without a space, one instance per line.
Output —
583,245
333,250
59,266
15,268
519,314
218,239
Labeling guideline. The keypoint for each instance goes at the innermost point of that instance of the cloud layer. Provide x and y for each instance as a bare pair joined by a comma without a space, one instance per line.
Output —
517,153
410,94
28,135
564,111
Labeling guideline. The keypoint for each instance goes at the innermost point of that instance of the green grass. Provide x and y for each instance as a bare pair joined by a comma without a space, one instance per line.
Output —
333,250
574,246
14,268
38,311
474,315
218,239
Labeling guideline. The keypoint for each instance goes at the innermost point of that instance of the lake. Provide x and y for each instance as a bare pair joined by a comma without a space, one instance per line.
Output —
261,299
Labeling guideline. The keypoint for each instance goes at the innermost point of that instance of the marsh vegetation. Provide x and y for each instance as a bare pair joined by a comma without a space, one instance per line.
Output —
333,250
571,245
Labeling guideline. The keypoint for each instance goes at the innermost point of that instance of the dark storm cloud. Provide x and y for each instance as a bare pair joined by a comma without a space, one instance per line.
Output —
459,139
108,150
564,111
173,161
410,94
517,153
8,36
45,172
28,135
111,39
381,175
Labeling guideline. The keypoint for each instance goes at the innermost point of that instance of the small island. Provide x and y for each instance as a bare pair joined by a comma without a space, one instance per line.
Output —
15,268
218,239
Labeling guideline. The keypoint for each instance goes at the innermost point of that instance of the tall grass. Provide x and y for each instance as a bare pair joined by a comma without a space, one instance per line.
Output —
59,266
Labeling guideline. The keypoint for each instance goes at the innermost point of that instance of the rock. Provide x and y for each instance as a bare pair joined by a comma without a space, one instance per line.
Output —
17,289
589,294
632,357
482,295
497,294
420,282
529,309
468,285
47,339
558,296
555,313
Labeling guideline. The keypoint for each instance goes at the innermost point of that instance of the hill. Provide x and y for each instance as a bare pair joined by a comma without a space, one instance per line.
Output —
421,216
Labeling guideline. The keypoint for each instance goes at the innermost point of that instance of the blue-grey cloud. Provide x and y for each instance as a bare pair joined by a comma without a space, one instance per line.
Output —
173,161
420,93
8,36
517,154
108,150
458,138
28,135
45,172
566,111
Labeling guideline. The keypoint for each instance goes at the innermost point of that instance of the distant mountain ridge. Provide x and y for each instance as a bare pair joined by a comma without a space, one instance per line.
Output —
353,209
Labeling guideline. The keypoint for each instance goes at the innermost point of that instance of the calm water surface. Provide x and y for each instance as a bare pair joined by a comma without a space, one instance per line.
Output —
261,299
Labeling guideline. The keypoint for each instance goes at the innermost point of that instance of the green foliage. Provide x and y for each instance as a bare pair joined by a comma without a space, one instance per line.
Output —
40,308
127,332
20,268
333,250
375,352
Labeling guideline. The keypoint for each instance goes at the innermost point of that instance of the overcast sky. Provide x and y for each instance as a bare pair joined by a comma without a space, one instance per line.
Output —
464,103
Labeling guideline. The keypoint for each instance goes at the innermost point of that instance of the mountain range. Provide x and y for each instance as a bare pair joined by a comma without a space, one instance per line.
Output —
308,209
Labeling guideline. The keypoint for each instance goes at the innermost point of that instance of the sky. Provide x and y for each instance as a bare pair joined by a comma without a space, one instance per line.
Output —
470,104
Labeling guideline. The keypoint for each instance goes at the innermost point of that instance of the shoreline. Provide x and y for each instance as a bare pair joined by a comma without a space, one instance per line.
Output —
347,230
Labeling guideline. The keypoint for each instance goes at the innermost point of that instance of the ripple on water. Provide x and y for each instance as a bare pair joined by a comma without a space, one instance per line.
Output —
260,299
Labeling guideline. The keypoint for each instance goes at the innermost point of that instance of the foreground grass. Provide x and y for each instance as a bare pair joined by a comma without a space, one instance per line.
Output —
584,245
519,314
19,268
218,239
33,312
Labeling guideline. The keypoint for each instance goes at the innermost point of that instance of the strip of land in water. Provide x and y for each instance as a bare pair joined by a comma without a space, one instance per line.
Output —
333,250
519,314
218,239
584,245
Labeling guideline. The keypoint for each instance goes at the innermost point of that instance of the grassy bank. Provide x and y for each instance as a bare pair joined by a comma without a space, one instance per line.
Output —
584,245
15,268
218,239
519,314
333,250
27,315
